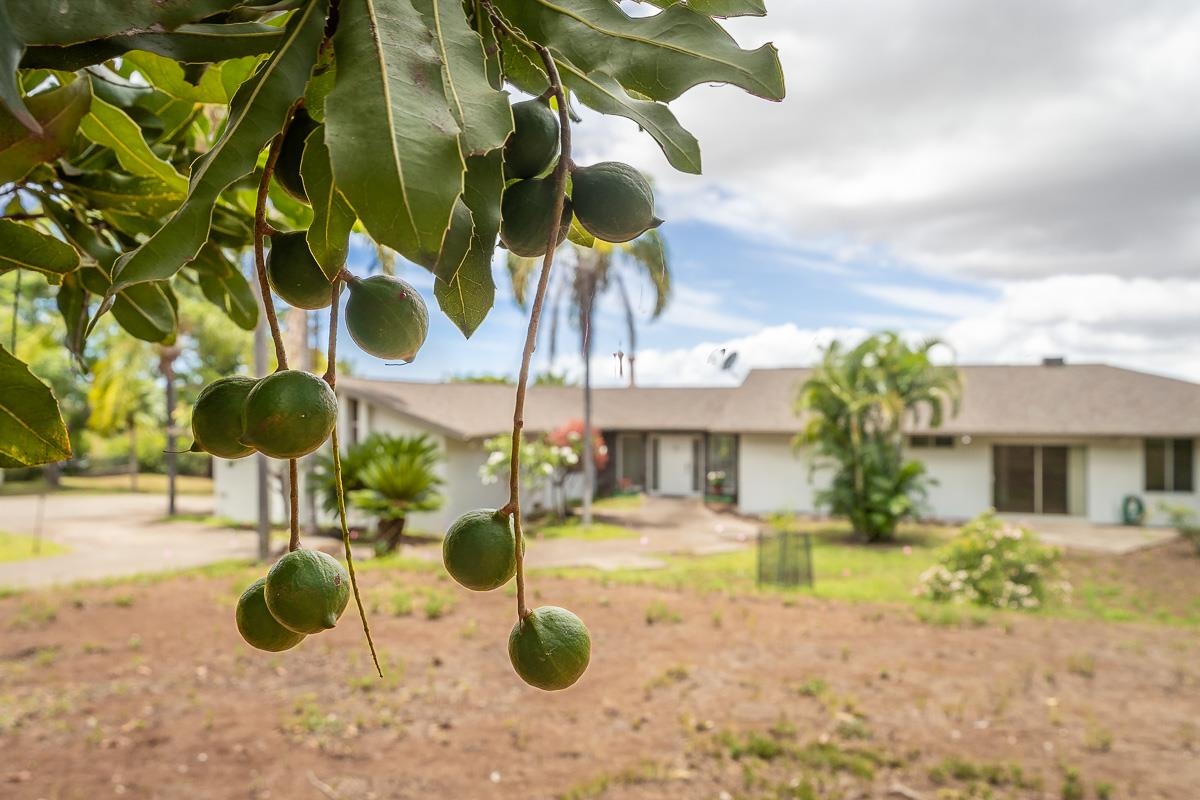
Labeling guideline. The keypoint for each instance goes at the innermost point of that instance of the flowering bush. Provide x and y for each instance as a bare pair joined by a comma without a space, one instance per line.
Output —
998,564
545,461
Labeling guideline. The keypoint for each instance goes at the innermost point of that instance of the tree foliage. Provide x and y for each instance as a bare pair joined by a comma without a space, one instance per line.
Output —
132,139
856,407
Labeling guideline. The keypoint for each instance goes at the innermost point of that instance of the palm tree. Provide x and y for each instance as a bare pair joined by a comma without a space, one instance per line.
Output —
857,402
387,477
577,284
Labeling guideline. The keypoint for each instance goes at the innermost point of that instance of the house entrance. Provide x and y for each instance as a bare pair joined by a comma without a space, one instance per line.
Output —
675,464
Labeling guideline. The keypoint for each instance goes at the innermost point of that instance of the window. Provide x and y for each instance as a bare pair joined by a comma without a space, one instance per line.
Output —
921,442
1169,465
721,466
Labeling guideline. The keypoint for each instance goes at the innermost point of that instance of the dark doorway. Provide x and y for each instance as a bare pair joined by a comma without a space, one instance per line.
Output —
1032,479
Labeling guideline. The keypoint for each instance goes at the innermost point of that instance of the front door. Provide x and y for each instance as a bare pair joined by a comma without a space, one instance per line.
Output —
675,464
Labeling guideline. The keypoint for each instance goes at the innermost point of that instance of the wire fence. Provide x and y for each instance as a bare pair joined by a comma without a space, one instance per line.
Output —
785,558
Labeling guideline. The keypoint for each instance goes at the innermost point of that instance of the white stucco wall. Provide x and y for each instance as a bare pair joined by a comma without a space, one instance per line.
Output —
235,490
773,476
1116,468
963,478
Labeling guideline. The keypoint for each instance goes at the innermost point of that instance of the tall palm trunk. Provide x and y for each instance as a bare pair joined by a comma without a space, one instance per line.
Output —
589,457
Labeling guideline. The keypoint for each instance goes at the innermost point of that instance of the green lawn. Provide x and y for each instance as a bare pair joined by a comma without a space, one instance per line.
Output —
572,528
147,483
19,547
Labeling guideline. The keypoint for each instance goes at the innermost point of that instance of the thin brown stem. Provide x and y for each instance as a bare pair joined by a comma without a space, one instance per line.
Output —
261,231
293,505
535,314
331,379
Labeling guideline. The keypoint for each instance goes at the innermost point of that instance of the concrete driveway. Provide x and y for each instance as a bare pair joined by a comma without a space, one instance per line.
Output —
113,536
666,526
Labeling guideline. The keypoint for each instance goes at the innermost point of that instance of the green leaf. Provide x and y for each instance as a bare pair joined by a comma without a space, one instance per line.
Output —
599,91
169,76
718,8
24,247
392,139
58,111
578,235
224,285
11,50
329,234
483,113
466,290
257,114
31,428
659,56
324,75
124,194
61,22
72,302
190,44
147,311
111,127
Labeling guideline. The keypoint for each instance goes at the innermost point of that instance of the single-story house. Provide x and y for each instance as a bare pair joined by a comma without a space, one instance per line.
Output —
1052,439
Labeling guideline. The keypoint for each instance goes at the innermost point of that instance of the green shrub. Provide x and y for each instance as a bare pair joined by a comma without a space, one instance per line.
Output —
997,564
1183,519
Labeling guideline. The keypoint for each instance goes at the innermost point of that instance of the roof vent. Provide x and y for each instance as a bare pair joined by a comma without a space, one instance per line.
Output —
1054,361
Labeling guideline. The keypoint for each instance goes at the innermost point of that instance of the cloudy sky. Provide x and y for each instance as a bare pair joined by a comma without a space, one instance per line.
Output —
1021,178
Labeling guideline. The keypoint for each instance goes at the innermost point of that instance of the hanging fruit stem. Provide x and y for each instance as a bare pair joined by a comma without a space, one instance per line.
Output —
339,490
560,184
261,231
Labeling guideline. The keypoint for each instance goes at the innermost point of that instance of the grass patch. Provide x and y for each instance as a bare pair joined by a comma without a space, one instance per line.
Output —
572,528
619,502
19,547
147,483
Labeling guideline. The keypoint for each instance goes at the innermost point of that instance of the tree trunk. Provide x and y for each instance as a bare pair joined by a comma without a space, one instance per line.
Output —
261,466
133,458
167,367
52,474
589,457
391,531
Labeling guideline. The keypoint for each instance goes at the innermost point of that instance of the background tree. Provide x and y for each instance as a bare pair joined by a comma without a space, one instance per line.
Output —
388,478
584,279
546,461
856,406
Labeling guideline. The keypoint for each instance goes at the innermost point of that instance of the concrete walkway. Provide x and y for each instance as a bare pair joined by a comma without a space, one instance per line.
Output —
113,536
1079,534
667,526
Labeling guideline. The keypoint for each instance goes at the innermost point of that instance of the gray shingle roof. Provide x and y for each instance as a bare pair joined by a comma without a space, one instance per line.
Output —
1072,400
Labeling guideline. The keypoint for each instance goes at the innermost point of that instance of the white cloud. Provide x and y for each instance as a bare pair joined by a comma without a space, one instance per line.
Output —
1133,322
1004,141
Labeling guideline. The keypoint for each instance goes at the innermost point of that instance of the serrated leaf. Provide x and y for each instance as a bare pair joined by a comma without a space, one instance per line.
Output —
62,22
466,292
599,91
392,139
82,236
718,8
147,311
31,428
11,51
58,111
329,234
111,127
483,113
224,285
190,44
24,247
257,114
659,56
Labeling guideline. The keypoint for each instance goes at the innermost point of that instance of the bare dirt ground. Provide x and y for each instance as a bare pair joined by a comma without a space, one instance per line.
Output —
146,691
